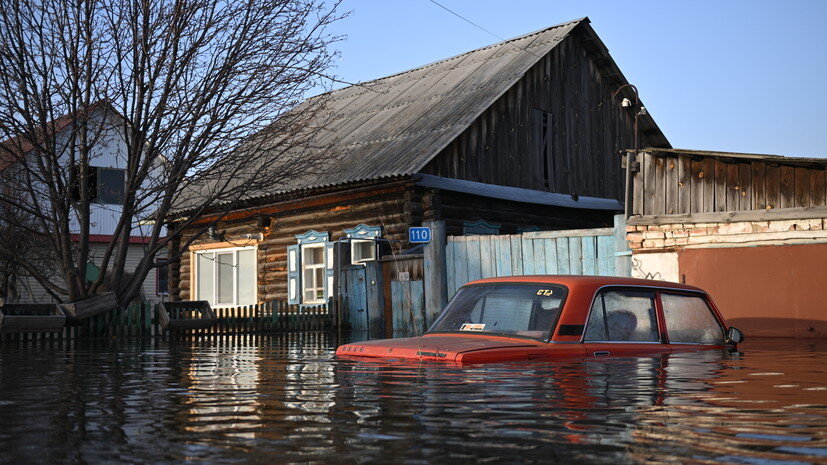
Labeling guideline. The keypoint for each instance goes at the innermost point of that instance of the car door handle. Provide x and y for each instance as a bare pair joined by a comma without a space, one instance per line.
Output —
602,353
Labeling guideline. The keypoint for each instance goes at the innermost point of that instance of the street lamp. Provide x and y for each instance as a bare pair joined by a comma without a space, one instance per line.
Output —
630,158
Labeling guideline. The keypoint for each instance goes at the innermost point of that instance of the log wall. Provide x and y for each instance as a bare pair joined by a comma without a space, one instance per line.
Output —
393,208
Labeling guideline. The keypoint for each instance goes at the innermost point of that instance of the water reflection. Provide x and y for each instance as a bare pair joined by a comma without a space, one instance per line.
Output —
285,398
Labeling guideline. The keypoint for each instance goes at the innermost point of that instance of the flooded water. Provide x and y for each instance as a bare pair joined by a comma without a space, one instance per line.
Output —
286,398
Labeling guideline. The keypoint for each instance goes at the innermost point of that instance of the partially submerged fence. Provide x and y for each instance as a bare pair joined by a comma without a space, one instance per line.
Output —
141,320
581,252
452,261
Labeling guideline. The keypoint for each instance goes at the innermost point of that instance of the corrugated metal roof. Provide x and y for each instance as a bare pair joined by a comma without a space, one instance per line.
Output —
393,126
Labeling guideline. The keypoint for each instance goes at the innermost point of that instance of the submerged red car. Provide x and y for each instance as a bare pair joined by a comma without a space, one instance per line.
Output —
535,317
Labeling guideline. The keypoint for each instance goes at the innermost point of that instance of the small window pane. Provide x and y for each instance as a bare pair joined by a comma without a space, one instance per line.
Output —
623,316
319,284
313,255
224,261
363,251
246,277
205,269
111,186
690,320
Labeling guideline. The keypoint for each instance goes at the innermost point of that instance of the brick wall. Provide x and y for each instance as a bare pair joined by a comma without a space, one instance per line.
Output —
675,236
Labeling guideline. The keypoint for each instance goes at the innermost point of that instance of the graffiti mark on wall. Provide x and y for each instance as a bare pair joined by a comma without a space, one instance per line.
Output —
639,270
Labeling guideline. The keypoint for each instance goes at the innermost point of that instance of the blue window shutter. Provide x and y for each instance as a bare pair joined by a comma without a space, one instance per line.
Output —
480,228
294,275
330,267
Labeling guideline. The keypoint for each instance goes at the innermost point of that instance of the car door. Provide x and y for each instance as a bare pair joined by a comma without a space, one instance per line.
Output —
623,321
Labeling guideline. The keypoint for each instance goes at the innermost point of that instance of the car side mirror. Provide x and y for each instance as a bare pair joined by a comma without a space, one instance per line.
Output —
734,335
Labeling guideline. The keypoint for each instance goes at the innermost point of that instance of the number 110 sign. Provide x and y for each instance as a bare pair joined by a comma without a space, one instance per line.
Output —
419,235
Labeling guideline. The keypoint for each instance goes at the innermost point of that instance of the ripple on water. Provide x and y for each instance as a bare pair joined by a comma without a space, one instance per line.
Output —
286,398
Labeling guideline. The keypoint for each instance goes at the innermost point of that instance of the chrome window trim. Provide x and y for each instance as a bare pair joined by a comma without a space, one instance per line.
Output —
631,286
624,342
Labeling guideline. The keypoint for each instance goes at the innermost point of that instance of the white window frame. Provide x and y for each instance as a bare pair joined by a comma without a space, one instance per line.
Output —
353,249
214,299
304,281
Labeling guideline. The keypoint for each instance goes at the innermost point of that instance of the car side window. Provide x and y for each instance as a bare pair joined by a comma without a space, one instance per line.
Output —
620,315
690,320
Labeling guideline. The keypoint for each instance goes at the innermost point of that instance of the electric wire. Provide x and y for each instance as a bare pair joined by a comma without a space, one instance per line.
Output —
481,28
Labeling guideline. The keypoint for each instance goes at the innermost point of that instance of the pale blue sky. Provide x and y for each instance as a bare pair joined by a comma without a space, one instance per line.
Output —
743,76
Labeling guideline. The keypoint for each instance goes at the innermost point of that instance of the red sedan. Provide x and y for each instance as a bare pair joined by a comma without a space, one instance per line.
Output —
535,317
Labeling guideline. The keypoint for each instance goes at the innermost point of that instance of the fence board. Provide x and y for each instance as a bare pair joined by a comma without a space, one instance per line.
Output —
487,258
588,246
516,255
605,255
450,268
539,257
503,257
527,249
474,261
575,256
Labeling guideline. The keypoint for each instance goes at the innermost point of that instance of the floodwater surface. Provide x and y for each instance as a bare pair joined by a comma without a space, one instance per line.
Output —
277,399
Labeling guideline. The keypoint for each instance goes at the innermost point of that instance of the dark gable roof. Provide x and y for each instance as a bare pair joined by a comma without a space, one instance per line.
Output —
397,124
393,126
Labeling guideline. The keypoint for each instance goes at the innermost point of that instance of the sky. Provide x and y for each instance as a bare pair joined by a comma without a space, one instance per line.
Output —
737,76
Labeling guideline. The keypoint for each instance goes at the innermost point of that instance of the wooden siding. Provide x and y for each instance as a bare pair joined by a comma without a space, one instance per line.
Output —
504,145
681,184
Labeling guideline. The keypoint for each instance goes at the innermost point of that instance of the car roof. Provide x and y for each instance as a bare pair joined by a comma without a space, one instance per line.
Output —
579,281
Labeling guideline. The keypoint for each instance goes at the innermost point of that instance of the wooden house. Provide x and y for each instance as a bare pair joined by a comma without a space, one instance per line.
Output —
750,229
522,135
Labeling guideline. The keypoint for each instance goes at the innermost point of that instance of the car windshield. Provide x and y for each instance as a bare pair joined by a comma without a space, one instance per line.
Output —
524,310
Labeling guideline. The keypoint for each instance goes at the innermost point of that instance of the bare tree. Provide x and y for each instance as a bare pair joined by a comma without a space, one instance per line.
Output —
193,96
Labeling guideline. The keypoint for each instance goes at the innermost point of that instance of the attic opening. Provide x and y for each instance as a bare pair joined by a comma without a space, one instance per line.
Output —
543,126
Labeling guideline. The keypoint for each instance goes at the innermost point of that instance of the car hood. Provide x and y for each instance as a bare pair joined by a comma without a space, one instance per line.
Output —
440,348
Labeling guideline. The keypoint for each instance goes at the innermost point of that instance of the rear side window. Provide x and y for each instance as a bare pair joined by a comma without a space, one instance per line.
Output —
690,320
620,315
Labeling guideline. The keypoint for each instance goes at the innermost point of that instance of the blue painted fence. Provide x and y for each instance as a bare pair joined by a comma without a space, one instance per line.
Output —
601,251
579,252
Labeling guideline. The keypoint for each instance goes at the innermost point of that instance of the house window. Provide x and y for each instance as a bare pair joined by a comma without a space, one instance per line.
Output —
226,277
310,267
313,273
362,251
106,185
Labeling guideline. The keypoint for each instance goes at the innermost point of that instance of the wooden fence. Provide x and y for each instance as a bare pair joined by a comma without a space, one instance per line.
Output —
580,252
141,320
415,305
